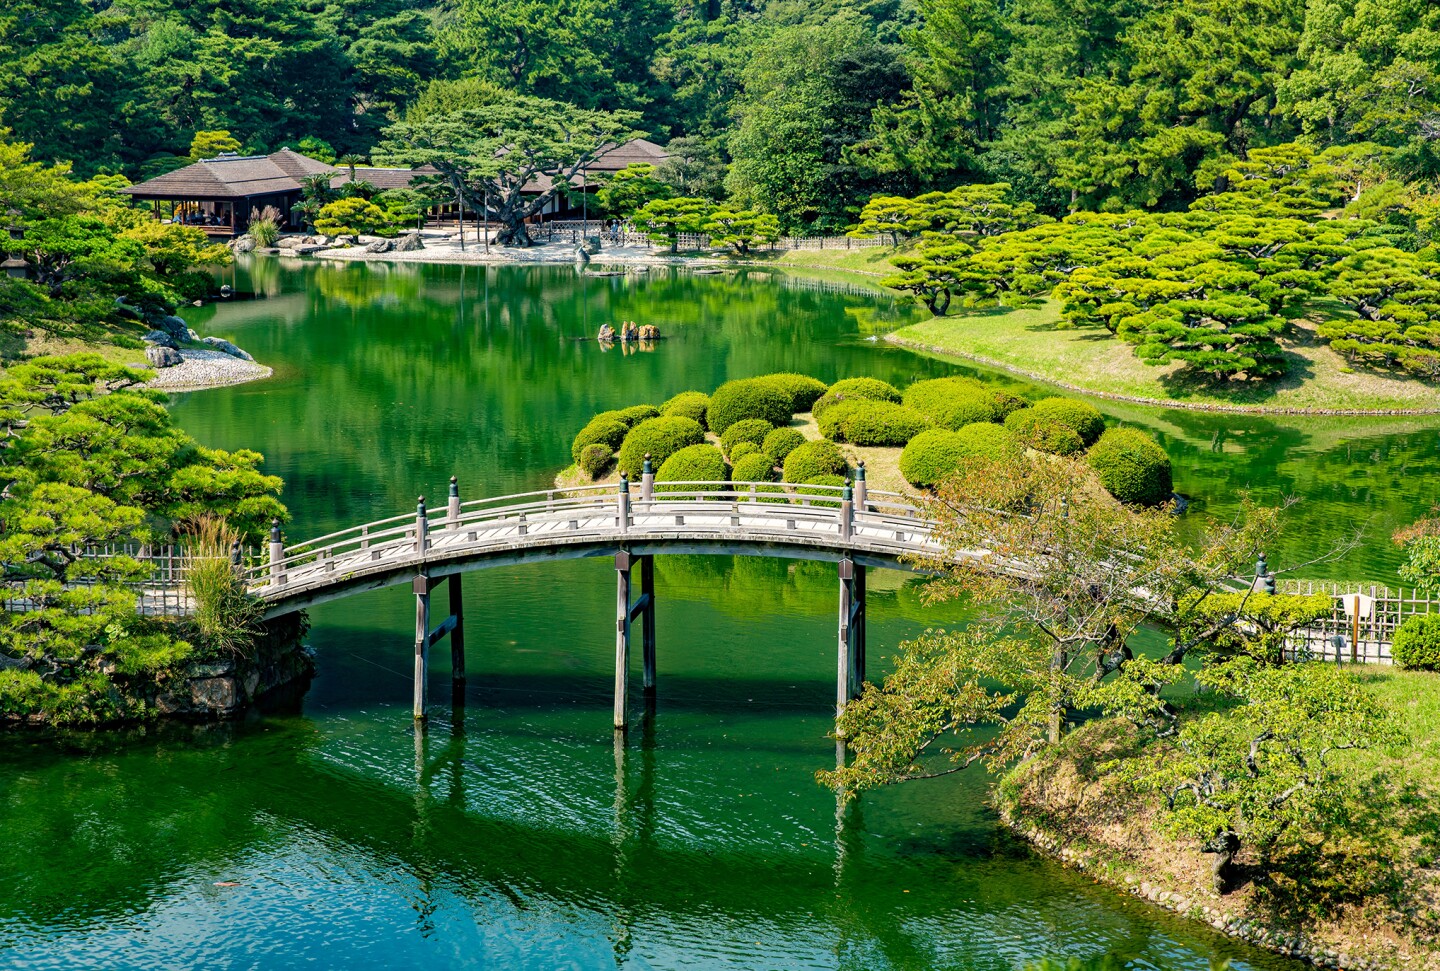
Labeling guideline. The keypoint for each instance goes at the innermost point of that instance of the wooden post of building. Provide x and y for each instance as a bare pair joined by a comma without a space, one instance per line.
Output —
277,554
850,660
647,620
421,586
622,638
457,633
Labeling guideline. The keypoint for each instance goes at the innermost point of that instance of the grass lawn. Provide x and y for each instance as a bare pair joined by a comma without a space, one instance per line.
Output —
871,260
1025,341
1372,891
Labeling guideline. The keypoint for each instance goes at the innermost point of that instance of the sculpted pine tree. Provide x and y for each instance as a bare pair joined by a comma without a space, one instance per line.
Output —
489,156
664,220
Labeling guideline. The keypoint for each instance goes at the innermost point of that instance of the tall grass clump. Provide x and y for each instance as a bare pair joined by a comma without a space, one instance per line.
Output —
225,615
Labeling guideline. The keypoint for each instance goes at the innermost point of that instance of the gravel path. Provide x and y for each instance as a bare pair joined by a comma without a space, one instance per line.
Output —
207,369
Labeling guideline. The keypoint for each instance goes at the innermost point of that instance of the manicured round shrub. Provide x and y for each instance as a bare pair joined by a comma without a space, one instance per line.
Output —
661,437
934,455
694,463
755,467
807,461
595,459
1417,643
604,429
952,402
828,497
866,389
737,400
751,430
687,404
1132,467
1006,404
781,442
1088,423
1044,434
741,449
802,389
635,414
872,423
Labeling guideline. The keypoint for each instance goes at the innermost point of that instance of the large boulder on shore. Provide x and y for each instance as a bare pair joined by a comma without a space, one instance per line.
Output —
225,347
406,244
243,244
378,246
174,326
162,338
161,356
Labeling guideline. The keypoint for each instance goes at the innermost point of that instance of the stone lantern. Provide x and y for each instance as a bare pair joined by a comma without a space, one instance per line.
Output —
15,268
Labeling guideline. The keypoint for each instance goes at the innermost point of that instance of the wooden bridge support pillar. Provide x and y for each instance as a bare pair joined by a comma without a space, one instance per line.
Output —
626,611
457,636
647,620
622,638
850,668
421,586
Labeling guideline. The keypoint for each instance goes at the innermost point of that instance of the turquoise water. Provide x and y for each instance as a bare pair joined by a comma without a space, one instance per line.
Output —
514,833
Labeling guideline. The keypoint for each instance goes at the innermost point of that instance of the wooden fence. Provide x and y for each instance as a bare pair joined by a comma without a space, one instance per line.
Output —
1362,621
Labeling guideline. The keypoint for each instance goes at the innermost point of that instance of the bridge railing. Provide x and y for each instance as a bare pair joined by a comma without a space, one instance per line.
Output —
579,506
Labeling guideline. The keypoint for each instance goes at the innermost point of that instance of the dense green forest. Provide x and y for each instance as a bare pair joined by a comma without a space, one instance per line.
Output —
801,108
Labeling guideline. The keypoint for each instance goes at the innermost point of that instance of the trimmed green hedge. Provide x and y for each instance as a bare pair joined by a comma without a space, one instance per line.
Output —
952,402
1044,434
605,429
751,430
737,400
781,442
872,423
661,437
687,404
934,455
1006,404
1417,643
802,390
635,414
1132,467
741,449
866,389
694,463
595,459
807,461
828,496
756,467
1088,423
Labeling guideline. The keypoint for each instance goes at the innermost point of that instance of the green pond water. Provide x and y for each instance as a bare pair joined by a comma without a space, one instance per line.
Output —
515,833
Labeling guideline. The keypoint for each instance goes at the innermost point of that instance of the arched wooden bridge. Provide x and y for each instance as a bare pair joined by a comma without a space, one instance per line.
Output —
852,527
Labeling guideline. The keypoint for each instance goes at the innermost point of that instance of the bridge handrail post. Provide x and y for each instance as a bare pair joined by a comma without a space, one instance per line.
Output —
647,480
422,527
860,488
847,513
277,554
452,508
623,511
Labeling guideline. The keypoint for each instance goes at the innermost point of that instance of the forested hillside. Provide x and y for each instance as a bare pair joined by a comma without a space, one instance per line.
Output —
804,108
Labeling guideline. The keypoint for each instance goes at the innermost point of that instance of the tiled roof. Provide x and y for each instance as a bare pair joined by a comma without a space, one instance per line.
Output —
232,177
633,152
383,179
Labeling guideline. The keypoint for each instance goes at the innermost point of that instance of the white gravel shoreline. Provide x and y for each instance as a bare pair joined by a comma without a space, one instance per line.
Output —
207,369
448,251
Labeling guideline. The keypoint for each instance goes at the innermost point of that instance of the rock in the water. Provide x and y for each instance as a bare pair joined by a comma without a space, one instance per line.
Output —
649,332
379,246
409,243
225,347
243,244
162,338
159,355
174,326
582,257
